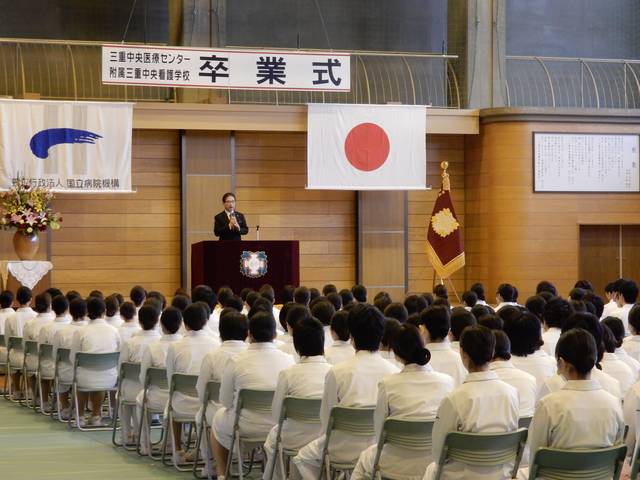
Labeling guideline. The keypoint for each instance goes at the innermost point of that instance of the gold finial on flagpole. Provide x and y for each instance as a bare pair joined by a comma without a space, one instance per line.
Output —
446,184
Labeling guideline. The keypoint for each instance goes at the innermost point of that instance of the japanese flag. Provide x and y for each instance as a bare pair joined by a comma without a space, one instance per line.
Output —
366,147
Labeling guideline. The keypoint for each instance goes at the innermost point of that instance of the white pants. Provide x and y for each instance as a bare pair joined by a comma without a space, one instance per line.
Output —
395,462
306,464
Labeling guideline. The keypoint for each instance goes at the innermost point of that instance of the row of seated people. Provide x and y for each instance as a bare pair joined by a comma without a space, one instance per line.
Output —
455,366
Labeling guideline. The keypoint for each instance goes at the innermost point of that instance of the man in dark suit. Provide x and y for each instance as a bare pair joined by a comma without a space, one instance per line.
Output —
229,224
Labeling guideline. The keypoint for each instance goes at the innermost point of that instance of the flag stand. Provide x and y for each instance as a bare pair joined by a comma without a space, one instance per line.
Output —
433,282
445,246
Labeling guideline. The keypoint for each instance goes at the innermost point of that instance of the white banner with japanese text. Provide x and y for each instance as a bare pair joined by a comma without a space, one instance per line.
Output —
78,147
225,68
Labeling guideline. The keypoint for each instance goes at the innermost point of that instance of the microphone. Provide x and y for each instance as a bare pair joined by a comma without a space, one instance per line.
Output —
257,232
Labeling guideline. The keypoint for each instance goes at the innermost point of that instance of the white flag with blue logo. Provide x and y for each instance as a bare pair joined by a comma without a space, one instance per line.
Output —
80,147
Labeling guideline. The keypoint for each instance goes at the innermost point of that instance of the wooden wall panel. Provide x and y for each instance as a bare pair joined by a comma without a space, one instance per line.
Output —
440,148
113,242
516,236
270,184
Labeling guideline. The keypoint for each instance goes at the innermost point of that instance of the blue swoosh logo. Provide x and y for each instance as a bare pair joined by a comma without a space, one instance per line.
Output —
42,141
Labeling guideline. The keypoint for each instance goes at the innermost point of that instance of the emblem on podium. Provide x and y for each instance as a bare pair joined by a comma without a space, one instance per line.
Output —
253,264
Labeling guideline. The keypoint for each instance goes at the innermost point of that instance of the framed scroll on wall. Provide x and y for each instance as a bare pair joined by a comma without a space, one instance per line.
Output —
586,163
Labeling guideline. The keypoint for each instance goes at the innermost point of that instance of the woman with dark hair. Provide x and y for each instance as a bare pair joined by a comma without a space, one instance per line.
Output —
483,403
414,393
582,415
589,323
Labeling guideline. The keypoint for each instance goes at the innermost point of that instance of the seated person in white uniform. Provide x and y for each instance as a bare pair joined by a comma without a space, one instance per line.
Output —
353,383
185,356
180,302
525,334
341,348
582,415
97,337
155,356
303,380
130,325
555,313
382,300
63,338
626,300
612,365
32,330
469,300
507,294
14,327
257,368
590,323
482,404
6,300
323,310
113,311
60,306
617,329
478,288
294,313
131,352
137,295
523,382
413,394
434,326
398,311
233,328
204,293
631,343
391,329
461,318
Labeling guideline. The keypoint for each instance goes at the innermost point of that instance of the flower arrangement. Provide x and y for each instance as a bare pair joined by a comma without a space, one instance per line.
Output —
28,209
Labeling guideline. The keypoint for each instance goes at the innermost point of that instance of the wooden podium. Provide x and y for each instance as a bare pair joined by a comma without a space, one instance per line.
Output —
246,264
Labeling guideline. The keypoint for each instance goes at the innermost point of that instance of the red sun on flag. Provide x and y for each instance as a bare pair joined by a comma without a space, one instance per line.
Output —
367,146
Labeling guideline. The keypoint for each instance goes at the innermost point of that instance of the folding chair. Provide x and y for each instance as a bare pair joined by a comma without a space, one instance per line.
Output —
579,464
3,365
255,401
211,392
92,361
413,435
186,385
155,377
483,449
128,371
14,343
304,410
354,421
62,356
524,422
45,352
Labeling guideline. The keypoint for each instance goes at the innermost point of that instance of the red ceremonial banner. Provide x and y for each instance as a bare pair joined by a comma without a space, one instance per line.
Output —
445,247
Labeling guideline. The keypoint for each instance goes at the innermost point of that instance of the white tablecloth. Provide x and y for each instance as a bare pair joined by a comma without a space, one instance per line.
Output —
28,272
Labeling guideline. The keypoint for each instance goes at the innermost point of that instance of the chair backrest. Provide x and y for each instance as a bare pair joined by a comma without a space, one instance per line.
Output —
254,400
483,449
354,421
558,464
31,348
185,384
97,361
408,434
45,351
63,355
304,410
129,371
524,422
212,391
15,343
157,377
2,343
